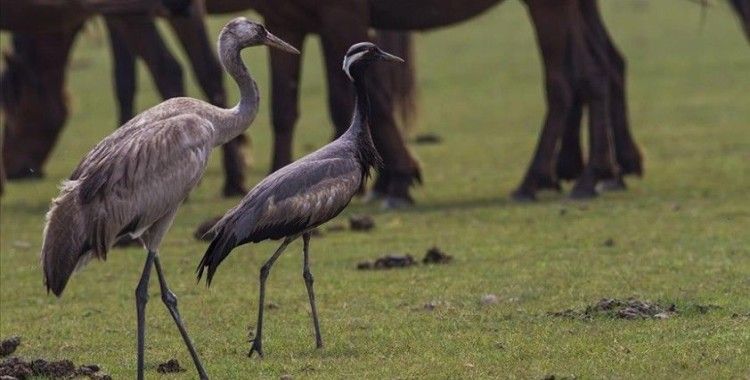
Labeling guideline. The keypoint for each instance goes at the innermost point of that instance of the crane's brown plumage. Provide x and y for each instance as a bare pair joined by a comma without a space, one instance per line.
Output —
304,194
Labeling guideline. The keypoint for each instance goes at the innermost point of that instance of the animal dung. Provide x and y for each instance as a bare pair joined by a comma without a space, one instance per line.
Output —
388,262
170,366
17,368
435,256
8,346
361,223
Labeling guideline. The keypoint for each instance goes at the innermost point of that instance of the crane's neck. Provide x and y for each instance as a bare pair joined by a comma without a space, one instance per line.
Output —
359,130
238,119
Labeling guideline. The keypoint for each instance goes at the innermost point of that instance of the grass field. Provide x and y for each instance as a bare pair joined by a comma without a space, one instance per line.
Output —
678,236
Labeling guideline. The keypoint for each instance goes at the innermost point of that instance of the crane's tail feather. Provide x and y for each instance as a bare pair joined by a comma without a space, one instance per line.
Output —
65,248
216,252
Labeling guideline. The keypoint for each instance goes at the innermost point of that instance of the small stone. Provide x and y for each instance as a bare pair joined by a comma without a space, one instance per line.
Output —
489,299
286,377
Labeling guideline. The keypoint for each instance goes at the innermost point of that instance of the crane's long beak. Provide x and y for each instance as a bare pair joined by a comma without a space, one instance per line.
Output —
278,43
389,57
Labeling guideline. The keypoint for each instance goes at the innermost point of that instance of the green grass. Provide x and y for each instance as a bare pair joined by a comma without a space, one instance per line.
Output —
680,234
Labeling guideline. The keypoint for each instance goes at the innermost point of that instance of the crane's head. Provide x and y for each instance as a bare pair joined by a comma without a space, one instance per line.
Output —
361,55
243,33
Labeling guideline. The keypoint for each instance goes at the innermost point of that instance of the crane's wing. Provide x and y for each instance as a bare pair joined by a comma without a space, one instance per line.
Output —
296,198
130,181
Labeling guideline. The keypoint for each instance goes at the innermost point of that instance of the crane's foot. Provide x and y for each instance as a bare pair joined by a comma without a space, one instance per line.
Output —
256,348
395,203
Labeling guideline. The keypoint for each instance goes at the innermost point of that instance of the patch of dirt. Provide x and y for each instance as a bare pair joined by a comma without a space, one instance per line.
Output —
201,233
630,308
388,262
171,366
8,346
361,223
435,256
18,368
428,139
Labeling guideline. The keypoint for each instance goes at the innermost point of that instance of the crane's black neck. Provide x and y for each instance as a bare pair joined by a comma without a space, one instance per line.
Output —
359,130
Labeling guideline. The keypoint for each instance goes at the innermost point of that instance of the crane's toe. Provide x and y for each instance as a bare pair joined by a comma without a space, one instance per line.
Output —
256,348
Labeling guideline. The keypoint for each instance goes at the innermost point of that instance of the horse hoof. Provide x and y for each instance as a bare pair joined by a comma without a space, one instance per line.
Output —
614,184
395,203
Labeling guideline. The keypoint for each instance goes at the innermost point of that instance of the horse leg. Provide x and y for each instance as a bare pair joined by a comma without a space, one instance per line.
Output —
285,74
192,34
342,27
552,25
627,152
143,39
590,63
570,156
124,73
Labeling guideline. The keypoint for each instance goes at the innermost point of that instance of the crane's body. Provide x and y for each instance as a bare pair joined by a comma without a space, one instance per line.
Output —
292,201
134,180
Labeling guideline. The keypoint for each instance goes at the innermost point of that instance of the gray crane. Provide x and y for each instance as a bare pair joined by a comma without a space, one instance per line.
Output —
134,180
292,201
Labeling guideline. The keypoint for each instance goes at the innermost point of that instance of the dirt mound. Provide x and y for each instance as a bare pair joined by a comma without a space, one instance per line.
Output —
630,308
8,346
18,368
170,366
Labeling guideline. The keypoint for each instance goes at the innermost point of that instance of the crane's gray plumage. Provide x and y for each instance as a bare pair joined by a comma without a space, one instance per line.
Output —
133,181
305,194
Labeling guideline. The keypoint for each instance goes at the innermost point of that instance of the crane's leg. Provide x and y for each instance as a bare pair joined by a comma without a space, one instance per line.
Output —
170,300
310,293
141,297
264,271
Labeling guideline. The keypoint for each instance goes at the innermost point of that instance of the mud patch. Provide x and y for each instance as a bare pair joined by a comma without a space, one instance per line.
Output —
170,366
630,309
8,346
201,233
361,223
428,139
388,262
18,368
436,256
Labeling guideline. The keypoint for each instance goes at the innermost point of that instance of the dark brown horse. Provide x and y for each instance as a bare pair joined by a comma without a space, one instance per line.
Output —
43,52
582,67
